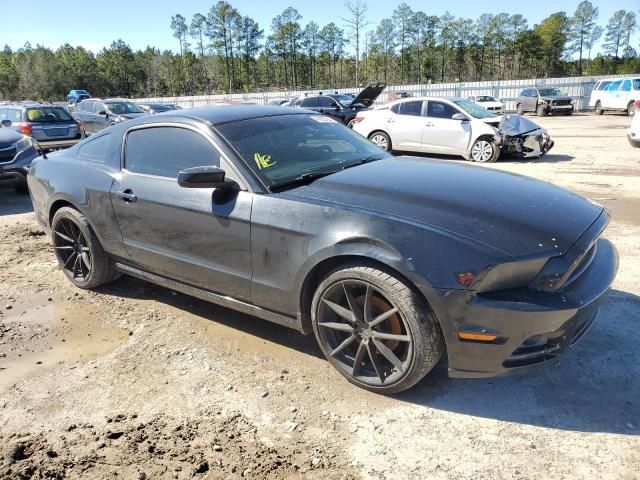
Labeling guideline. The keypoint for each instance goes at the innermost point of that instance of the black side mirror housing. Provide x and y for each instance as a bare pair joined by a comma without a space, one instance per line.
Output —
103,113
204,177
6,123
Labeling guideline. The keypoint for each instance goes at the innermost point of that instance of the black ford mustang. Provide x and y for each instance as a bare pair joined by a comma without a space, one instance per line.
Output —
289,216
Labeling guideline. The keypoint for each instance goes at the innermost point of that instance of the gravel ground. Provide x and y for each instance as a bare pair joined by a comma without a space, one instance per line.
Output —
135,381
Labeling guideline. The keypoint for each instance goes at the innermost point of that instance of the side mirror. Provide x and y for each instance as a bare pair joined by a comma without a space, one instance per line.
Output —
204,177
6,123
103,113
460,116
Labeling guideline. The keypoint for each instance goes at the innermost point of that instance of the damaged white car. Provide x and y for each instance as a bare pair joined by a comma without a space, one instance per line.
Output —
451,126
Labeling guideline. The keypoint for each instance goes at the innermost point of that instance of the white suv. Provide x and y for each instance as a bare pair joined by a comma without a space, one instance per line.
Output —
615,94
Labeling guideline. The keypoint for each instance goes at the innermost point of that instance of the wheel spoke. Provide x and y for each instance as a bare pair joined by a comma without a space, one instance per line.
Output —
389,355
391,336
337,326
76,266
367,305
362,350
376,363
344,344
68,263
64,237
353,306
67,247
86,261
383,316
340,310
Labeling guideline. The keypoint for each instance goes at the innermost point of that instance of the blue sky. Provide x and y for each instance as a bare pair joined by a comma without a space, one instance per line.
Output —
95,24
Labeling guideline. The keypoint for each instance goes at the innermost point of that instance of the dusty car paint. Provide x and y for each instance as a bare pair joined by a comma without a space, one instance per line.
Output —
427,220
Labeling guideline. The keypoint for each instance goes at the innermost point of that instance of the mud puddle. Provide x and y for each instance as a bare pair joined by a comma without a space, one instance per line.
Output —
36,336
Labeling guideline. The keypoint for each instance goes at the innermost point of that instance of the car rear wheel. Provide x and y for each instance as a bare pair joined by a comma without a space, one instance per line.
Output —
484,151
599,109
382,140
631,109
374,329
78,250
519,109
351,123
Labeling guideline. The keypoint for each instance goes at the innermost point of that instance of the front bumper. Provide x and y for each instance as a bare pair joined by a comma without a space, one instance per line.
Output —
531,326
560,108
13,176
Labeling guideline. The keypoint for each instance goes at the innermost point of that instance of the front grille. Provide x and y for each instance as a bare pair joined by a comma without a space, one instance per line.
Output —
562,102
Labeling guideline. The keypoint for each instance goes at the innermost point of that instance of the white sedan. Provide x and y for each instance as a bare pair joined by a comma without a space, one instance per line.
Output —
443,125
488,102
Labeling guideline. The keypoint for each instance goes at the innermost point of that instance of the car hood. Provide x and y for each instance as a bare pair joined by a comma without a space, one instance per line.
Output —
512,125
130,116
515,215
367,96
557,97
8,137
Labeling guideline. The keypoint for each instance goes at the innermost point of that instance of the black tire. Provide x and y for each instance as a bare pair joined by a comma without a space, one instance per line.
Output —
382,140
351,123
541,111
568,113
85,264
631,109
414,341
22,189
519,109
599,110
484,150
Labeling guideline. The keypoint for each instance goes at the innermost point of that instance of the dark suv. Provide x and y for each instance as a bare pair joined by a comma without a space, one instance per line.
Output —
50,125
342,107
96,114
544,100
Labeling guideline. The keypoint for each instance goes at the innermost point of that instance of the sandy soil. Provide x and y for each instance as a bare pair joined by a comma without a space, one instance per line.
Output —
135,381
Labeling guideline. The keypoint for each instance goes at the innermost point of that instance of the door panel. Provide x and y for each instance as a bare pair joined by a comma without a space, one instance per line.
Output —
405,125
186,233
442,134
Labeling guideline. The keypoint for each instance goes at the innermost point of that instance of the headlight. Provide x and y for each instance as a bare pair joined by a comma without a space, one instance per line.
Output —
23,144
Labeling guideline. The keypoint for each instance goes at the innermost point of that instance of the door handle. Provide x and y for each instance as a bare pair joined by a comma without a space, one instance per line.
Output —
390,120
429,124
126,196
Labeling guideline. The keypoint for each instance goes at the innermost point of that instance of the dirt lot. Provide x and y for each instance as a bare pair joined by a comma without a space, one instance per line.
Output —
134,381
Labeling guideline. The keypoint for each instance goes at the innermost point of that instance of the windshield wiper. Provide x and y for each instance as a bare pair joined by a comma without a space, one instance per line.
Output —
303,179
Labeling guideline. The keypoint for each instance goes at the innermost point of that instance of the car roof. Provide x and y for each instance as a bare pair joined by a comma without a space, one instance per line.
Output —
224,113
418,99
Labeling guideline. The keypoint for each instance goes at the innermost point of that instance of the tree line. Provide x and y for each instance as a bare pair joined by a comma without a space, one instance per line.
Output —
225,51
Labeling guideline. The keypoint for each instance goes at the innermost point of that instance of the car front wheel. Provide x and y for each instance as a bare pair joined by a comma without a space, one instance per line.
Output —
631,109
382,140
541,111
599,109
519,109
351,123
78,250
484,151
374,329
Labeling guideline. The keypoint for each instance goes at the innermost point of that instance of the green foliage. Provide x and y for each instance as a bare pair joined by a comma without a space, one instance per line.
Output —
223,50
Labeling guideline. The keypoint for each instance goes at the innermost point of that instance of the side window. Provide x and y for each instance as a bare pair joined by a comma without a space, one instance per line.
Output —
3,113
309,102
636,83
99,107
411,108
327,102
602,85
525,92
164,151
613,86
95,149
14,114
440,110
626,86
395,108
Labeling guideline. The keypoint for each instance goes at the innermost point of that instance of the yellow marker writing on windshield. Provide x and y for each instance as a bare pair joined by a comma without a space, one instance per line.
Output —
263,161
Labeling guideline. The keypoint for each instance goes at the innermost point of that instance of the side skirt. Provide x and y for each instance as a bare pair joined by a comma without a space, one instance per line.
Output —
209,296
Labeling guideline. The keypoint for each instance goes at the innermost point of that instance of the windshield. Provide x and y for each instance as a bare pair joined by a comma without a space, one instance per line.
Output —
485,98
284,147
48,115
81,92
474,109
123,107
550,92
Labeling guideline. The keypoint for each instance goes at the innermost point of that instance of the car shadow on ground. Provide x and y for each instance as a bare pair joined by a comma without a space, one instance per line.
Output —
12,203
594,387
134,288
549,158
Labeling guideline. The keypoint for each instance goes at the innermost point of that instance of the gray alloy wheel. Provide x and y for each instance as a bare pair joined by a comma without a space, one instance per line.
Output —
381,139
351,123
519,109
374,329
483,151
78,250
599,109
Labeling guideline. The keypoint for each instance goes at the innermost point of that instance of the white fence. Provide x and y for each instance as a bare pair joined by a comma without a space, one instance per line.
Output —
579,88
